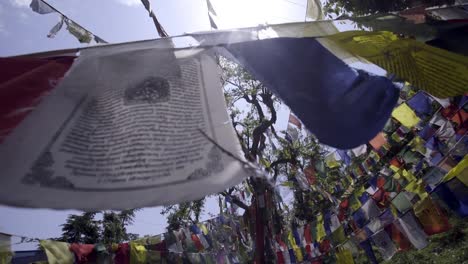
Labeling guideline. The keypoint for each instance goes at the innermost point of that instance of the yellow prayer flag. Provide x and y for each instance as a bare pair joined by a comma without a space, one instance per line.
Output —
297,250
418,144
354,203
291,239
114,247
397,176
460,171
320,228
405,115
437,71
344,256
394,168
5,249
339,236
203,228
394,210
408,176
360,191
298,253
137,253
431,217
417,187
331,161
57,252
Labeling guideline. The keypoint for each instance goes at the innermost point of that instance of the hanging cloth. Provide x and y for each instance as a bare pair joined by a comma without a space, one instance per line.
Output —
439,72
343,107
57,252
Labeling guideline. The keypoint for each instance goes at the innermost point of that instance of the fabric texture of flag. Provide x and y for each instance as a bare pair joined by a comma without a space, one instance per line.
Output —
138,253
460,171
338,236
366,246
57,252
421,104
344,156
454,194
402,202
320,228
314,10
361,150
293,120
378,141
24,82
81,34
343,107
40,7
212,23
99,40
409,226
405,115
431,217
53,32
331,161
400,240
439,72
84,253
210,7
344,256
384,244
370,209
5,249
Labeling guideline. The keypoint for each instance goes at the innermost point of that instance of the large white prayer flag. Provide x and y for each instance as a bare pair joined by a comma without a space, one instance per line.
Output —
129,126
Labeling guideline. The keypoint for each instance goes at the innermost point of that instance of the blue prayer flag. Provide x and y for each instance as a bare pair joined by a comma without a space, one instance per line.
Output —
341,106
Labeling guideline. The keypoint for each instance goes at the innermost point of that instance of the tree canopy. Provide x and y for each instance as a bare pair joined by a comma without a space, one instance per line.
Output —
366,7
87,229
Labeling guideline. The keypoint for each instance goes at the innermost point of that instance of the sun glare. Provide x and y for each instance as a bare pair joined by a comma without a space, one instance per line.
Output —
247,13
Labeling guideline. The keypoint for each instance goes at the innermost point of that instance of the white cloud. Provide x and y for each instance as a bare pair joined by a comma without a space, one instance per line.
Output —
20,2
124,2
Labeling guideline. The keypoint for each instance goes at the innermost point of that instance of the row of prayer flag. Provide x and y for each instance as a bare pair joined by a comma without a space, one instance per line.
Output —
219,240
79,32
425,217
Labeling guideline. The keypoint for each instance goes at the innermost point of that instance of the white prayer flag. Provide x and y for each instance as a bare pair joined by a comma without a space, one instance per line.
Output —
40,7
408,225
129,126
53,32
314,10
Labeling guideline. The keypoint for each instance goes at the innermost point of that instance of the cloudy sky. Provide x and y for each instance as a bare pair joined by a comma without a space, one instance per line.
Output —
23,31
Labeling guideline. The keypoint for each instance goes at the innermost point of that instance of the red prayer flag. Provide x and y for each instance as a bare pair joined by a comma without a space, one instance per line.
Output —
84,253
378,141
325,246
398,237
295,121
461,119
197,242
310,173
122,255
280,257
395,162
307,235
431,217
23,83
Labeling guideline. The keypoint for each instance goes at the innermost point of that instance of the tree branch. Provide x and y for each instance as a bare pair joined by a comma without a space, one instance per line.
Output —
236,201
264,125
